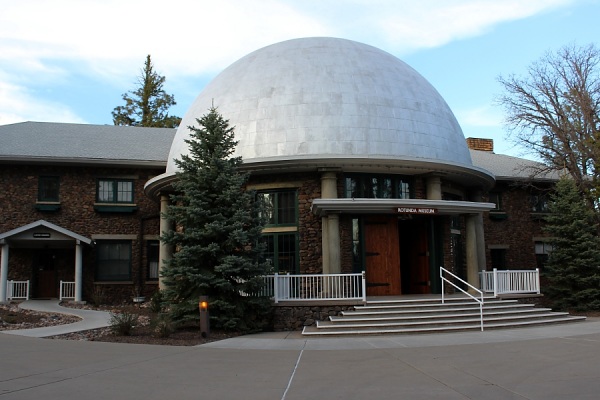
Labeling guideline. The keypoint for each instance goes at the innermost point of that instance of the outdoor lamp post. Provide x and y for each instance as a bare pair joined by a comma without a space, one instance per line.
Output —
204,317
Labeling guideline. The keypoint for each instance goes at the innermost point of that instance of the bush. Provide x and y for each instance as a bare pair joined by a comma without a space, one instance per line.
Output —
156,302
162,325
122,324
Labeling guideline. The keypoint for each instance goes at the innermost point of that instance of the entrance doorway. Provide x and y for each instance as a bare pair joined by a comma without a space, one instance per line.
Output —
414,260
382,256
44,266
397,255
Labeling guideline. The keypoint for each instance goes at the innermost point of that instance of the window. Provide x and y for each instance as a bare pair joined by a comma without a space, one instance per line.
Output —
281,251
48,188
538,203
115,191
152,254
542,251
280,208
496,198
377,186
113,261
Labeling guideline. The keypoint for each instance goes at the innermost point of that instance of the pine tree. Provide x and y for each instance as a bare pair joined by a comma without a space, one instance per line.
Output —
217,240
573,268
149,104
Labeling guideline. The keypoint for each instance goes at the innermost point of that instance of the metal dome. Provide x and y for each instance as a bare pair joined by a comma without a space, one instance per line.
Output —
325,101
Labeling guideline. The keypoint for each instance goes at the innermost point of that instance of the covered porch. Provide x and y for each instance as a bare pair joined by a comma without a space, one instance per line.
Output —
46,242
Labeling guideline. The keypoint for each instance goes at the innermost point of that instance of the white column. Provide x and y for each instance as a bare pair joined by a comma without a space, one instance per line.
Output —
78,272
335,265
330,239
3,272
434,188
472,259
165,251
325,245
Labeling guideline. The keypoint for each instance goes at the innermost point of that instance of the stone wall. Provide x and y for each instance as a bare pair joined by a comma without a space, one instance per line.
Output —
77,195
294,318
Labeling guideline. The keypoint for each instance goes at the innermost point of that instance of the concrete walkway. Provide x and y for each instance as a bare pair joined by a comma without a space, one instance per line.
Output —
90,319
555,362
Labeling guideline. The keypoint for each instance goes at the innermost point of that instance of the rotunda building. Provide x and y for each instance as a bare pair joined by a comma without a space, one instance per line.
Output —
363,162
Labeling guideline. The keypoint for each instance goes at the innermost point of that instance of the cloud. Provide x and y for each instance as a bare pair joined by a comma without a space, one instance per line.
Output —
17,104
432,23
45,43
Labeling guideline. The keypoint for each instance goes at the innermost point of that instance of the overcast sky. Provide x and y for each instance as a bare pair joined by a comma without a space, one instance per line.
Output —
71,60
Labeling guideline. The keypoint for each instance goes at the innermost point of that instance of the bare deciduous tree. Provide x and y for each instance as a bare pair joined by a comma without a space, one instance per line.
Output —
554,111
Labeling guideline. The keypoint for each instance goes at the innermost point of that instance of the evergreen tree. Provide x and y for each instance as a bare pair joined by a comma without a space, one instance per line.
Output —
573,268
217,240
149,104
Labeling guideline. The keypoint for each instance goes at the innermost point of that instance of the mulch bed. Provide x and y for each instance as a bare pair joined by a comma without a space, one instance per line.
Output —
12,317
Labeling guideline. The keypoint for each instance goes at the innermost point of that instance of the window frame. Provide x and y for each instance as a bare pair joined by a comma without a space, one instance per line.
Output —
375,186
43,181
275,221
115,190
277,252
150,253
113,277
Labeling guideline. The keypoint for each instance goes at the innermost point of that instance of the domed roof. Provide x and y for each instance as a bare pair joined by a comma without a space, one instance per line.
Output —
326,102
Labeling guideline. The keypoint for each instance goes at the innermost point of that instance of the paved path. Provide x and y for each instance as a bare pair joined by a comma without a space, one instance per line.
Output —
556,362
90,319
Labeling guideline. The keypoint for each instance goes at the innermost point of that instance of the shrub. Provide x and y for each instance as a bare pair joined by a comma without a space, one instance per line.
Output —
156,302
122,324
162,325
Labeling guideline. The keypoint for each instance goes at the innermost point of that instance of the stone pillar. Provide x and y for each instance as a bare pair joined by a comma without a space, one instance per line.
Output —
434,188
3,272
78,272
165,251
472,262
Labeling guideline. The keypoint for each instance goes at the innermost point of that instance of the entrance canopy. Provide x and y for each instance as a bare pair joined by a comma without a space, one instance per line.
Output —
41,234
322,207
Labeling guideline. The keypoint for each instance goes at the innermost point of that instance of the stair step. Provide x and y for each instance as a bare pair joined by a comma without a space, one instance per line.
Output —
377,311
438,304
308,331
434,322
416,316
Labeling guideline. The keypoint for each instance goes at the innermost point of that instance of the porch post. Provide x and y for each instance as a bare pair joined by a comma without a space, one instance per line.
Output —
335,266
434,188
3,272
472,259
78,272
330,232
165,251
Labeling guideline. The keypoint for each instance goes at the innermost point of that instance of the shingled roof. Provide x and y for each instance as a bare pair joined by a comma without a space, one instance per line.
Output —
60,143
511,168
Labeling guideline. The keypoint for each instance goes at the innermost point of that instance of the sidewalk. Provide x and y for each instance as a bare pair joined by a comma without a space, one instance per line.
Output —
90,319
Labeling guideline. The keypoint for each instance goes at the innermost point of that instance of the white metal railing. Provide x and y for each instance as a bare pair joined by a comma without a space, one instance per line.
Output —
309,287
67,290
478,300
510,281
17,290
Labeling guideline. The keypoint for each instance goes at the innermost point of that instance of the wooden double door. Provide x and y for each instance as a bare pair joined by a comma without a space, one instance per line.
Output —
396,256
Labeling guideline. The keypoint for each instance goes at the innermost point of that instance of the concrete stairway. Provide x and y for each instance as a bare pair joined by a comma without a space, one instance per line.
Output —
430,316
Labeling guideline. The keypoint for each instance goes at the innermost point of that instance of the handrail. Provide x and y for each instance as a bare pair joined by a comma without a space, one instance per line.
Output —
480,301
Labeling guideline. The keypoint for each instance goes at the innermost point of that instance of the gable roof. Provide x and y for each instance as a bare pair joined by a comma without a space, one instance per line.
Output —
46,224
60,143
512,168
